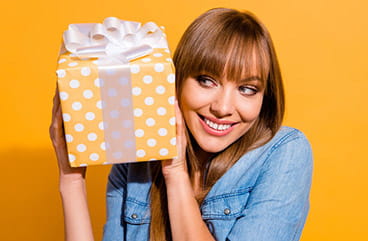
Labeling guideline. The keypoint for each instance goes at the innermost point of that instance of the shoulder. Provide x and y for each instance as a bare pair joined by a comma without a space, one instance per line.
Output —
288,147
286,170
288,134
288,151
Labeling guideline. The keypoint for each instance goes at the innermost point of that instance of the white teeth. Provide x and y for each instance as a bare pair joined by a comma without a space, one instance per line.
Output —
219,127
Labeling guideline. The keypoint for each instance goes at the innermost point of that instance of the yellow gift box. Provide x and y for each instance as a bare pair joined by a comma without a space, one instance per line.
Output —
117,90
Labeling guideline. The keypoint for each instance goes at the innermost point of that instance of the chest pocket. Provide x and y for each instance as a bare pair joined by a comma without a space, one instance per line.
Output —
136,212
221,212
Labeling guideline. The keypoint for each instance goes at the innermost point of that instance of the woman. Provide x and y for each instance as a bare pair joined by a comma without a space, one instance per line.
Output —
239,175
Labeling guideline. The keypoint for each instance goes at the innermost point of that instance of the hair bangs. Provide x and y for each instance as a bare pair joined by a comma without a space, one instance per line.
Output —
229,48
247,59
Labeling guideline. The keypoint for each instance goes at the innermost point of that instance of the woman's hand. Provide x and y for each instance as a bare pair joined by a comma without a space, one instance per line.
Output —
174,166
67,173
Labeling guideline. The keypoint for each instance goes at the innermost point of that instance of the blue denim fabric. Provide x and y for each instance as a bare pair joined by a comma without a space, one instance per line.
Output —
263,197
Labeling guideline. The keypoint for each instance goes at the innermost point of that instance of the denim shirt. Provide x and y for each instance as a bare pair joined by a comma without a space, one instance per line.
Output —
263,197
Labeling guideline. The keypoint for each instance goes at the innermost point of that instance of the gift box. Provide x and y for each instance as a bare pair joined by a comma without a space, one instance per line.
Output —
117,90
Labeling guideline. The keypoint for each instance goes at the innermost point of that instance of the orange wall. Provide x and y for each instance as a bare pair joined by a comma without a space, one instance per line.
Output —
322,48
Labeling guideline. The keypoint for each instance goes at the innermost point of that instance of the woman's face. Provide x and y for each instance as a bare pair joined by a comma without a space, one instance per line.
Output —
217,111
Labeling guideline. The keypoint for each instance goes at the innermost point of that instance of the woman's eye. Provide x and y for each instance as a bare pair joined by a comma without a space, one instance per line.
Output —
206,81
248,90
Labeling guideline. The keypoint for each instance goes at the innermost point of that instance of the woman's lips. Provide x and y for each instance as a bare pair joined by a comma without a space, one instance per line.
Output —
216,127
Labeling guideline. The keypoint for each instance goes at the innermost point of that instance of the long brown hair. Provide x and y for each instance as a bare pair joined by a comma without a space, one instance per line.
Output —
225,43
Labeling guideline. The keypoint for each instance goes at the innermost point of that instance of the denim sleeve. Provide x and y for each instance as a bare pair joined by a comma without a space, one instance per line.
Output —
116,186
278,205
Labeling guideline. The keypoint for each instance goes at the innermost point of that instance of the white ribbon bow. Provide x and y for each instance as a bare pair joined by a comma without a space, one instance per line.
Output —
124,40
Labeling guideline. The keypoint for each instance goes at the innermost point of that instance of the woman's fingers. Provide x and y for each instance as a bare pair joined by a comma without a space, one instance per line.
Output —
58,140
177,165
56,127
181,140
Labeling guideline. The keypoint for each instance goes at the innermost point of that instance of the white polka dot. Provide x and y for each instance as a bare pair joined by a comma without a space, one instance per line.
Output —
149,101
159,67
99,104
94,157
90,116
161,111
128,144
168,60
74,84
61,73
173,141
71,157
116,134
101,125
127,123
79,127
171,78
69,138
138,112
114,114
151,142
134,68
167,51
88,94
125,102
103,146
157,54
164,152
117,155
162,132
63,95
85,71
81,148
139,133
112,92
171,100
72,64
147,79
83,165
61,61
150,122
136,91
77,105
123,81
141,153
172,121
98,82
146,60
92,136
160,89
66,117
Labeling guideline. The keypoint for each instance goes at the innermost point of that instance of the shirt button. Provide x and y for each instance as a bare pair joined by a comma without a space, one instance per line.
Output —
134,216
227,211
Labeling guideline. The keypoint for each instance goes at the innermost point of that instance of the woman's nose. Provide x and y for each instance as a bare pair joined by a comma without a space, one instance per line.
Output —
223,103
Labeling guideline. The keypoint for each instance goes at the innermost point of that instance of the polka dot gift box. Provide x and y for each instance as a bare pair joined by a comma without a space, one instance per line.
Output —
117,90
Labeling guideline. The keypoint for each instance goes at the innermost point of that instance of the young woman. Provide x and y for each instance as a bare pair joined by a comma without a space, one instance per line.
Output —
239,175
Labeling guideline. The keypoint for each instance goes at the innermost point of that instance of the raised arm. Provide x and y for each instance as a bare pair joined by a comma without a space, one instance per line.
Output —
71,183
184,213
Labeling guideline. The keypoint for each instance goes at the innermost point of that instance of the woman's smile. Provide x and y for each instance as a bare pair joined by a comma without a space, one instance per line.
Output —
215,126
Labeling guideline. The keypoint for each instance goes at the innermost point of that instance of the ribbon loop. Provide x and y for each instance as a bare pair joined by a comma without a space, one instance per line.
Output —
124,40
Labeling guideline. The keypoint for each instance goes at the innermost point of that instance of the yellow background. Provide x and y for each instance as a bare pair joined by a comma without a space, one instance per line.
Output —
322,48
